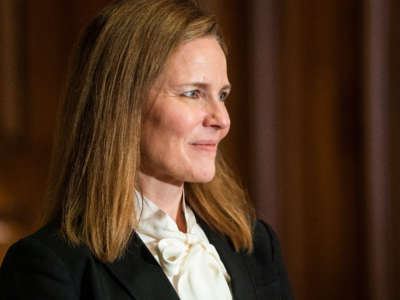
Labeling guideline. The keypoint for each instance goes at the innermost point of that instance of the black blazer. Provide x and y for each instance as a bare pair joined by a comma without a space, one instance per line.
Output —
43,266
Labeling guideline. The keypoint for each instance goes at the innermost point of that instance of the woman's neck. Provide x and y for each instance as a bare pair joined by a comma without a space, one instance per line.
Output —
165,195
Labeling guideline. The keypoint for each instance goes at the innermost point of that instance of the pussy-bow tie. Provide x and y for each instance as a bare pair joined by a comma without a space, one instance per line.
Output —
196,267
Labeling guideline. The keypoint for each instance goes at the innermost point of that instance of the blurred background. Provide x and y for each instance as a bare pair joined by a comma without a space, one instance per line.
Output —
314,118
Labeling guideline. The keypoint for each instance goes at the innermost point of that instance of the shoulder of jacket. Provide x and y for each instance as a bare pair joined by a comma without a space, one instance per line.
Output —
48,241
264,231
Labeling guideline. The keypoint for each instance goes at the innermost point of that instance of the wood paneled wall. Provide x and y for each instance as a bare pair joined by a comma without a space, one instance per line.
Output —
394,150
323,164
37,39
319,166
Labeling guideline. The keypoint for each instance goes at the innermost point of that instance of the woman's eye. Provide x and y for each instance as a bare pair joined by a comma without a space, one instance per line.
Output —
192,94
223,96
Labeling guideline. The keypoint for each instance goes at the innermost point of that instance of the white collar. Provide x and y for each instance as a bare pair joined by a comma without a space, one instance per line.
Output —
151,218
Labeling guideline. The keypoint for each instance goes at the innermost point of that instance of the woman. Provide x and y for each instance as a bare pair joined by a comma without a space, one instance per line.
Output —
140,203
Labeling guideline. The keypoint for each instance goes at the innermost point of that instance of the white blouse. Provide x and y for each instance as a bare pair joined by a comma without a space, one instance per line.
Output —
190,262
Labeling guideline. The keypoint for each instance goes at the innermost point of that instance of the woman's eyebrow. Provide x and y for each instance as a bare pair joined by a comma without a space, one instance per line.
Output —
227,87
203,85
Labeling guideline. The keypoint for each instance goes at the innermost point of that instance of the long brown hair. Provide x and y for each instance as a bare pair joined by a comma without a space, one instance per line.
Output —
97,147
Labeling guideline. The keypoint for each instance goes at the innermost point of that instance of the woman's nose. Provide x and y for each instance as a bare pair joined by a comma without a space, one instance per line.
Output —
217,115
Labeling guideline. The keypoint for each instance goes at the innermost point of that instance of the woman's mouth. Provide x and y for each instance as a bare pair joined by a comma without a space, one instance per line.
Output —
209,146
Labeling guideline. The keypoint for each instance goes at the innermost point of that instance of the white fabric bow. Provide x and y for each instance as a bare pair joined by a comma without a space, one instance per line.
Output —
189,261
200,273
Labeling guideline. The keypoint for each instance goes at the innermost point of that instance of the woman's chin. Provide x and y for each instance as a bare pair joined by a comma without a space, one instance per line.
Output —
202,176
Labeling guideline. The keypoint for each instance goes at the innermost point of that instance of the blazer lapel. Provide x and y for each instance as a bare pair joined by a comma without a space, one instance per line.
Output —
140,274
241,284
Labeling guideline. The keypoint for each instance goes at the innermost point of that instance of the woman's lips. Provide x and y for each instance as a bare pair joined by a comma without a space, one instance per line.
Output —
209,146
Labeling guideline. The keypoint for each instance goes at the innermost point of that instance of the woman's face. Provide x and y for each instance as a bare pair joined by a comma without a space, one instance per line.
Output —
185,116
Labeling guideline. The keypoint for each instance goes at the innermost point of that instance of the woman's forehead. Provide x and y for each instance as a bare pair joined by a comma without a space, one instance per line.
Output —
197,62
